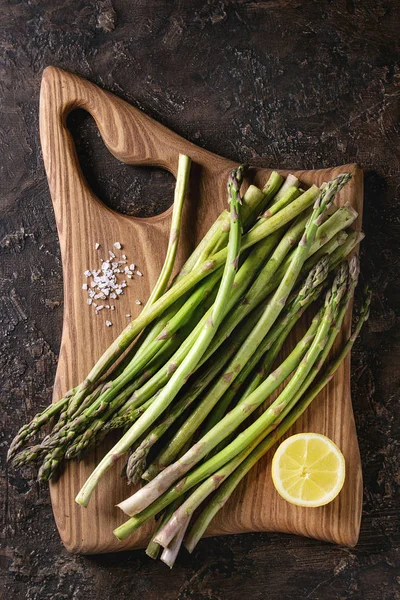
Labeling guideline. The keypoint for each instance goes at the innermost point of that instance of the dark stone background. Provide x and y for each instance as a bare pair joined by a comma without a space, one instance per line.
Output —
283,83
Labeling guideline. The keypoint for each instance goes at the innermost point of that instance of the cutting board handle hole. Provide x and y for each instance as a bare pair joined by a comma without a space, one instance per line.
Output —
141,192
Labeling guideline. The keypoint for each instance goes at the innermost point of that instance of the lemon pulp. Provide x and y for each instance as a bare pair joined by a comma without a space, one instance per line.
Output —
308,469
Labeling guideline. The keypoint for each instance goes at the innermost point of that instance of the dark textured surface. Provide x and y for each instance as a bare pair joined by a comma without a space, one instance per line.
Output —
280,83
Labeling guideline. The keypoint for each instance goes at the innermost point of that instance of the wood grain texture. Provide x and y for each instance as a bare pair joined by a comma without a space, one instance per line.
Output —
83,220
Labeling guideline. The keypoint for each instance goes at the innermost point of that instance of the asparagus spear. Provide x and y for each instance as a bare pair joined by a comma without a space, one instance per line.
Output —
170,553
189,363
182,183
291,194
290,181
153,549
30,429
220,498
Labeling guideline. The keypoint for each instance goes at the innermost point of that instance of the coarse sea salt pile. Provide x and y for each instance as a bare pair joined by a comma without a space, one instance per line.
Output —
106,284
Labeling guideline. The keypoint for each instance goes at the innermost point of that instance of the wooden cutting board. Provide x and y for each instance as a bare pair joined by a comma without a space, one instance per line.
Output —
82,220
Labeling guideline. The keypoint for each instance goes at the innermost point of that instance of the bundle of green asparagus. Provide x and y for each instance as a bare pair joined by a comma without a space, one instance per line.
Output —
185,375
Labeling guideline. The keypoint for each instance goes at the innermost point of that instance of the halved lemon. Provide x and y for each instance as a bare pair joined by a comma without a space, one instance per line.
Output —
308,469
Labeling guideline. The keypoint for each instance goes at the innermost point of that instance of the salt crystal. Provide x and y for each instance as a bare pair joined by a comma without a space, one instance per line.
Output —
108,323
105,282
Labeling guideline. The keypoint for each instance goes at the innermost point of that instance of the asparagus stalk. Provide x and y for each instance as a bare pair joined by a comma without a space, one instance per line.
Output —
170,553
30,455
181,186
28,430
225,491
290,181
153,549
182,183
352,241
340,220
254,202
189,363
270,189
291,194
